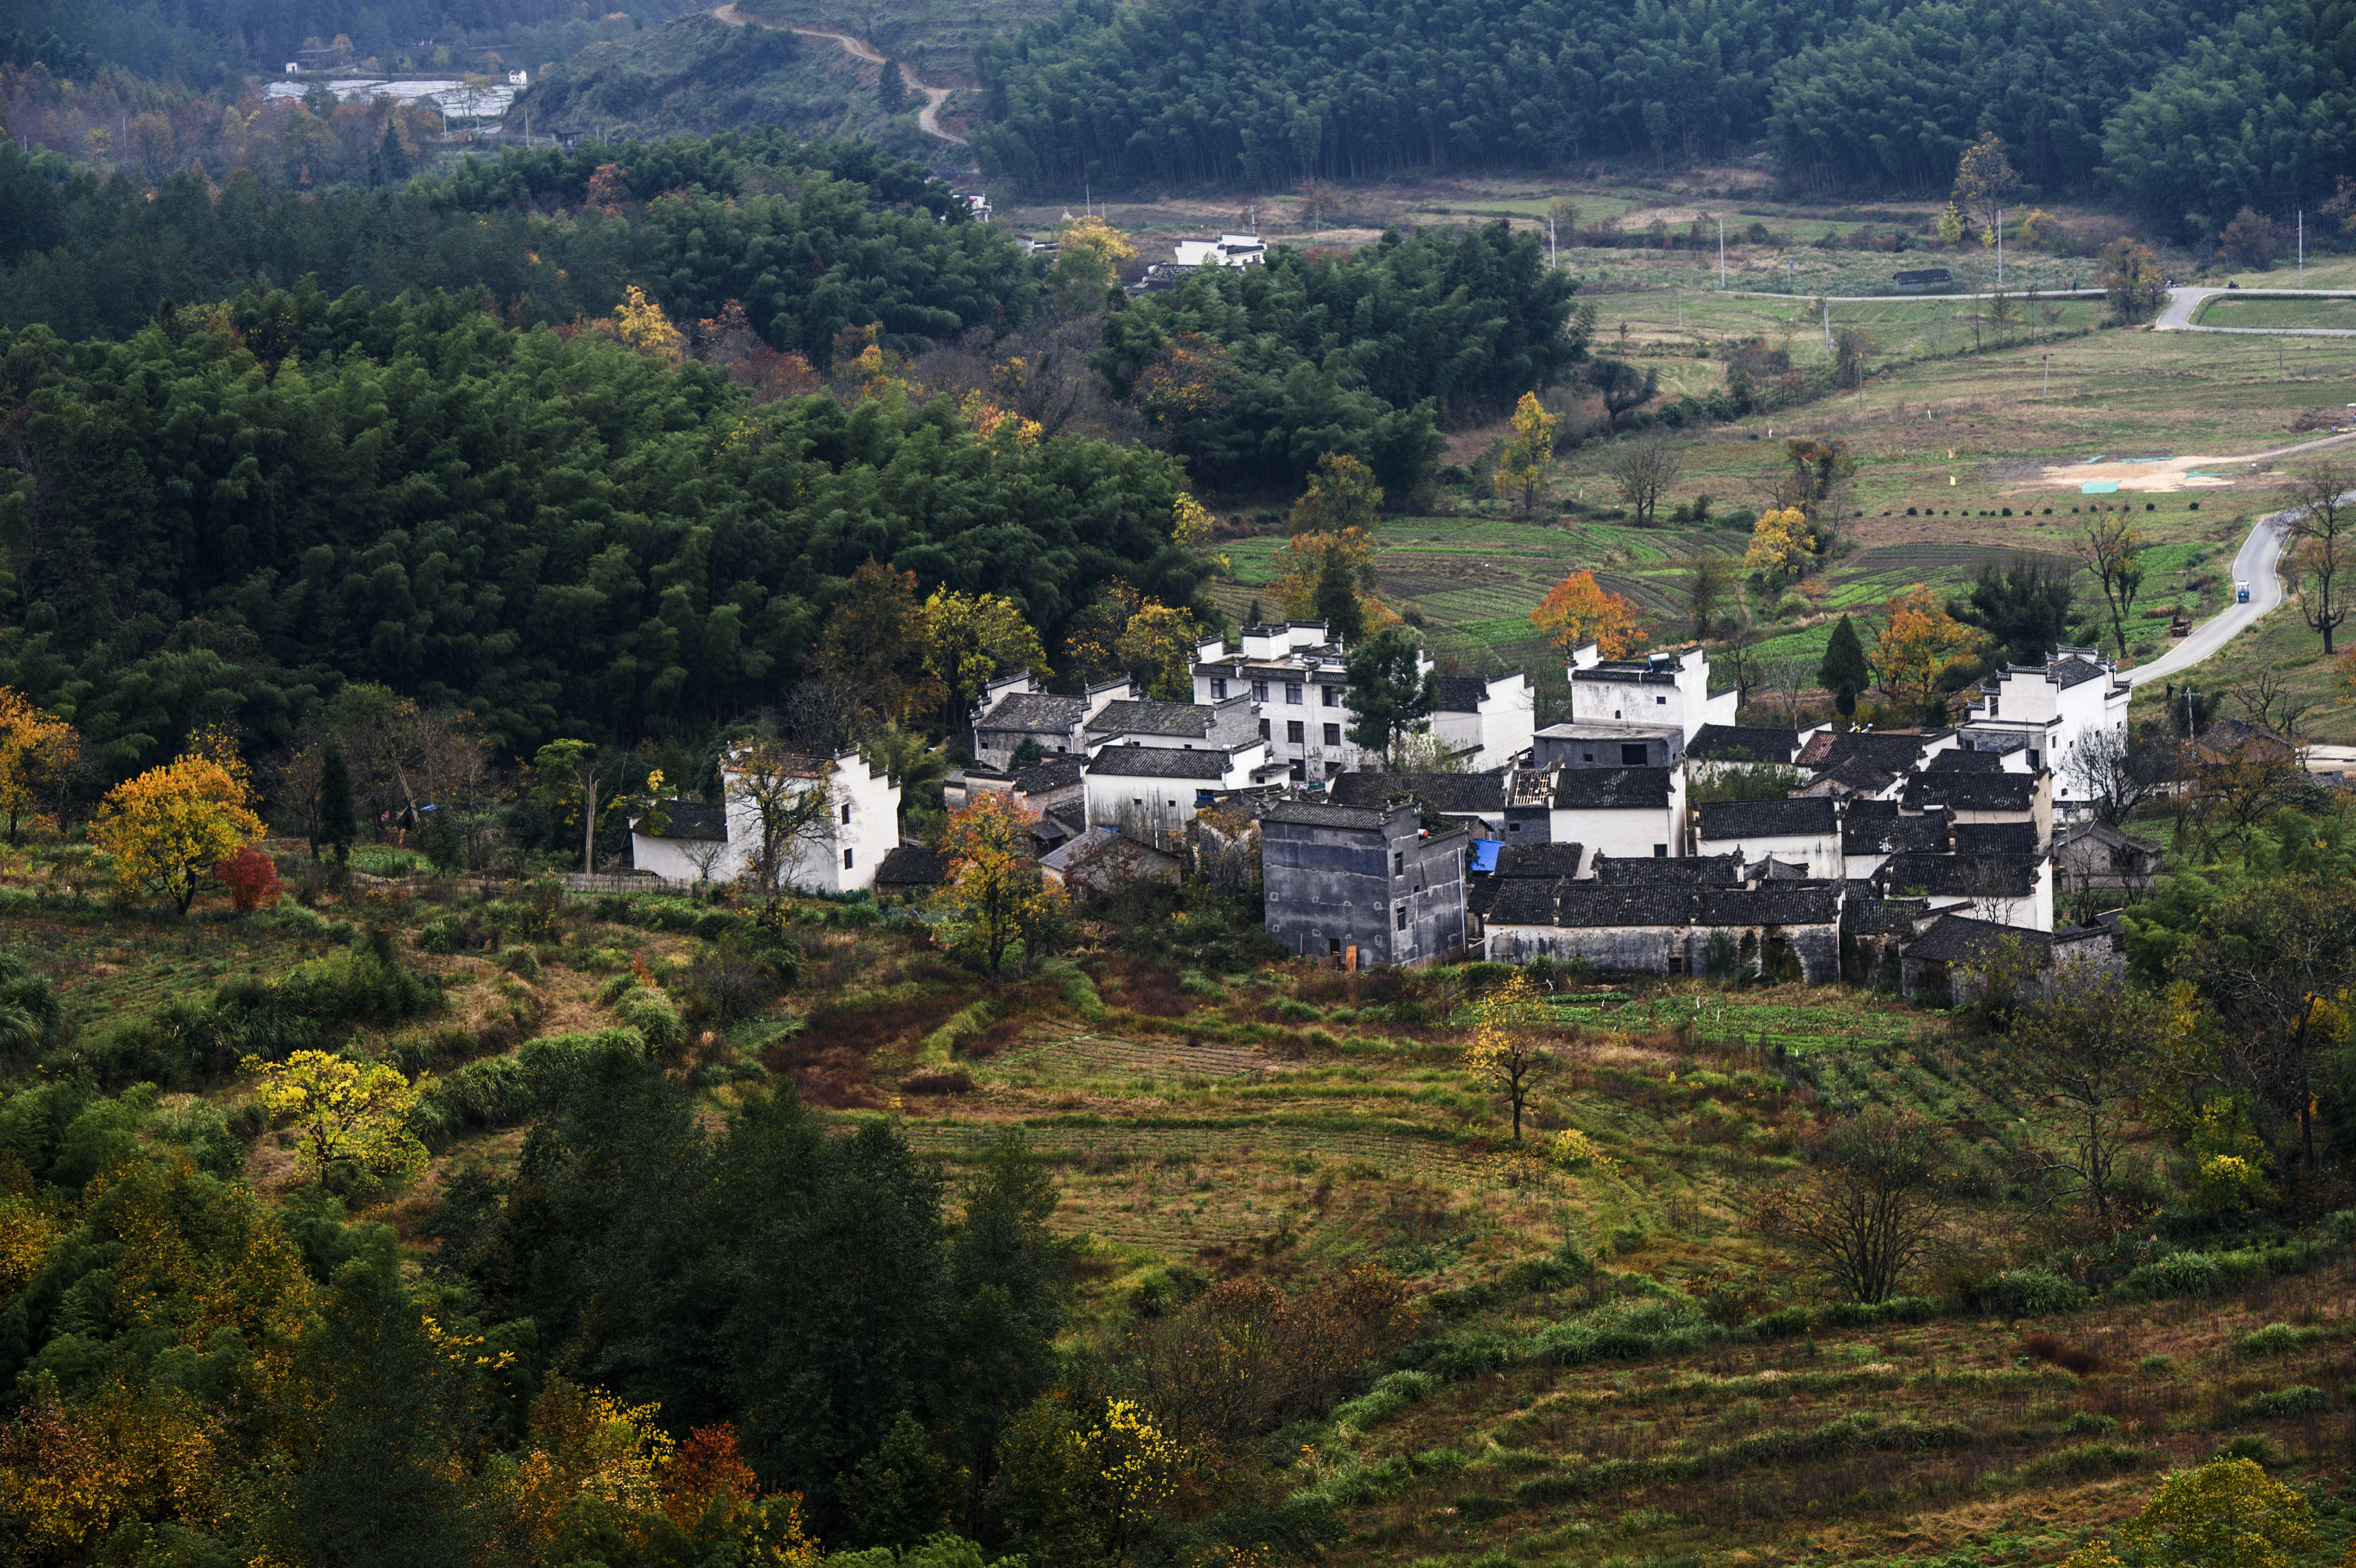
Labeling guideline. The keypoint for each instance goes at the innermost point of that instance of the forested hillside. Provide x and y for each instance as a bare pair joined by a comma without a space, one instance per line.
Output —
2191,108
227,516
810,236
1254,373
211,42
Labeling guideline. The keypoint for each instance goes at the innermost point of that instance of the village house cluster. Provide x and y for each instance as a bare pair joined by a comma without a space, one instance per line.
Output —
1648,834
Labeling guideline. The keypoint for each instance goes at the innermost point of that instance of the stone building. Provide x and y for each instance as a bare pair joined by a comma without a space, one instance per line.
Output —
1344,880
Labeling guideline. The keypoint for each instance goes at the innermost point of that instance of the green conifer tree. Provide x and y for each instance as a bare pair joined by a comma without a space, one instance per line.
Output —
1844,672
336,822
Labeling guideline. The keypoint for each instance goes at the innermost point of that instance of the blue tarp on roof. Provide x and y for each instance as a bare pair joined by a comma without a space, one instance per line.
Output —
1484,853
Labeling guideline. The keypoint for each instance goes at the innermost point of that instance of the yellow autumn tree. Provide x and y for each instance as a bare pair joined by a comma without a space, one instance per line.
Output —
1579,611
1157,647
1191,522
1528,457
640,322
995,896
1504,1052
346,1113
35,749
1781,543
1302,568
971,639
2227,1514
1918,646
1342,495
167,828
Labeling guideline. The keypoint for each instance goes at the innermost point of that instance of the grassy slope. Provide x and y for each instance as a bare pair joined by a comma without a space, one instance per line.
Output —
1288,1122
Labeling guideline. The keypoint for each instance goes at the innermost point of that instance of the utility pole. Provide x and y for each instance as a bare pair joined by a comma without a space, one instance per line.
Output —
1551,261
2047,391
2302,247
1721,252
1827,305
1999,247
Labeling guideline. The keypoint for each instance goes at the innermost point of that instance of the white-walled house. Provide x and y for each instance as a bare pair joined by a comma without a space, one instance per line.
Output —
1625,812
1487,719
1152,791
1802,830
716,842
2048,710
1667,688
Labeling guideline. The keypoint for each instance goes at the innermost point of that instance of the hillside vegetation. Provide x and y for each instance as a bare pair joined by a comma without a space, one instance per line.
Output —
1173,92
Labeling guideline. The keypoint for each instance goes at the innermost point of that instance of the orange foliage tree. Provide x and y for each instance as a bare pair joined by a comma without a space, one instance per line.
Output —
35,749
1580,610
1301,563
169,827
1918,647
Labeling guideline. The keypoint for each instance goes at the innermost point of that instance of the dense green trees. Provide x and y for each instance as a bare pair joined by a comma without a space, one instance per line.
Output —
2223,106
2262,111
1183,91
229,516
1357,355
810,237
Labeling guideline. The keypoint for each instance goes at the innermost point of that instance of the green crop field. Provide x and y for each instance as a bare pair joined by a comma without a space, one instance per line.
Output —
1964,439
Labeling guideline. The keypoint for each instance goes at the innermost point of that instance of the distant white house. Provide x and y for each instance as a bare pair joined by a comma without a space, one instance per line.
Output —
717,841
1227,250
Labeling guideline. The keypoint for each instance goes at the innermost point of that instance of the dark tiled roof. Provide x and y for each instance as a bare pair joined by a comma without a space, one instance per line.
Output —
1692,871
911,866
1730,743
1461,693
690,820
1973,792
1461,793
1856,774
1877,827
1590,904
1034,711
1539,859
1073,814
2072,672
1996,838
1611,788
1158,762
2102,832
1958,877
1960,937
1742,821
1133,716
1892,751
1966,762
1061,773
1876,917
1310,814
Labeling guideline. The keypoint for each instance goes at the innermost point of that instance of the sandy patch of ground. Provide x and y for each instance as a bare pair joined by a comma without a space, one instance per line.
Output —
2157,476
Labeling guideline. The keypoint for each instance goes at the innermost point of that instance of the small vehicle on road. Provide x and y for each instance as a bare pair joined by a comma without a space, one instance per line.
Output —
2241,592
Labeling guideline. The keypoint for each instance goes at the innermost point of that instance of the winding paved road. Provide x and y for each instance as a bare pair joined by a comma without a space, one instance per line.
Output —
928,118
2184,304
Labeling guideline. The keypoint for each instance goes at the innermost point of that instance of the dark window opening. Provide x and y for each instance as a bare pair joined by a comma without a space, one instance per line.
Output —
1660,852
1631,756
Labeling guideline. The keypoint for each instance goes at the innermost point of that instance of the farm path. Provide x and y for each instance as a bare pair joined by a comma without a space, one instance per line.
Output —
928,118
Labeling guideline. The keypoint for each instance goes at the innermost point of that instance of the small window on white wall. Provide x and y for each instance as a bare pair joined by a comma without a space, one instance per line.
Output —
846,860
846,814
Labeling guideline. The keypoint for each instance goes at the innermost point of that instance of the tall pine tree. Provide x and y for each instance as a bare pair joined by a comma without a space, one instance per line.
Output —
335,822
1844,672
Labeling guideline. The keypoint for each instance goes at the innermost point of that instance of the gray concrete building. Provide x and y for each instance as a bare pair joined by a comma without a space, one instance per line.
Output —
1339,878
